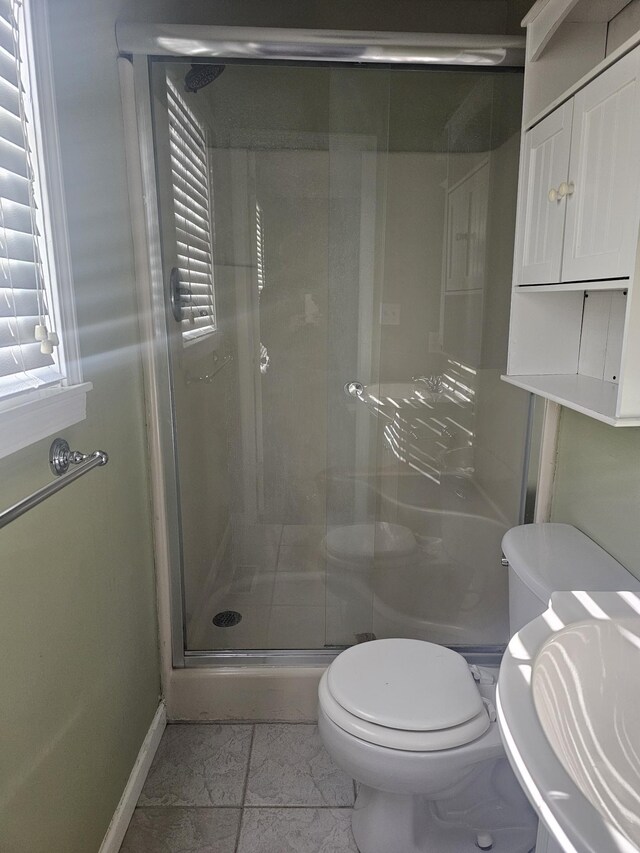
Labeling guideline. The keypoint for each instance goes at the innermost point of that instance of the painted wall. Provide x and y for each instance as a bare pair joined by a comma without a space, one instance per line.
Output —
80,678
597,485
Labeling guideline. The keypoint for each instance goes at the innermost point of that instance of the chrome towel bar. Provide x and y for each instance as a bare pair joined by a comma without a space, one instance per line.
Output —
60,459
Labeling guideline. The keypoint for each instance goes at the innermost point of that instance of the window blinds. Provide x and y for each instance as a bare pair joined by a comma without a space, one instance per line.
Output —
192,213
27,358
260,249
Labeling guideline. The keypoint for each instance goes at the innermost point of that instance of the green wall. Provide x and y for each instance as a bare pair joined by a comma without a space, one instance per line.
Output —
80,674
597,486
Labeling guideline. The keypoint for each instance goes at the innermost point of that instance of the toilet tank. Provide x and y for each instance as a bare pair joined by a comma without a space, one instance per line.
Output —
546,558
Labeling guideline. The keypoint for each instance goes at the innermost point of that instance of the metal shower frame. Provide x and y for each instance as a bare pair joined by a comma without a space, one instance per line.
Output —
140,44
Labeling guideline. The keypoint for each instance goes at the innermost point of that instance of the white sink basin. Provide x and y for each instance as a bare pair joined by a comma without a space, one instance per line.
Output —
569,713
586,693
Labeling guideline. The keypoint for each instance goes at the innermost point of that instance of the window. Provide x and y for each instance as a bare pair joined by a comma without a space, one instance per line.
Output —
40,389
193,217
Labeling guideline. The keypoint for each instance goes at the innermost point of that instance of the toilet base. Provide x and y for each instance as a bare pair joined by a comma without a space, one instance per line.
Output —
405,823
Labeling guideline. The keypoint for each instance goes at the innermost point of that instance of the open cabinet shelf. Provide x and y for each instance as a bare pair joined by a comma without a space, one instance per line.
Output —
593,397
571,286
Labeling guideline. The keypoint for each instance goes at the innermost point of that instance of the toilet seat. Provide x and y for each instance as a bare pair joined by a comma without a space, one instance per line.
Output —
361,543
404,694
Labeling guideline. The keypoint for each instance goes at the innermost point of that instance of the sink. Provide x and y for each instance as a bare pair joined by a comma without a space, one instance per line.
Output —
569,713
586,681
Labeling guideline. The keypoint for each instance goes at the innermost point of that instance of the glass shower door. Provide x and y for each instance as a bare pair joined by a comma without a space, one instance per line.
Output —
358,162
336,248
270,215
430,446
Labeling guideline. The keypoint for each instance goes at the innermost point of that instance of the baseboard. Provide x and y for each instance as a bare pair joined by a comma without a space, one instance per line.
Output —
112,841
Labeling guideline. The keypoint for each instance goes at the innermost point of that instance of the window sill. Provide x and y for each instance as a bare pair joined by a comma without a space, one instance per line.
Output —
44,413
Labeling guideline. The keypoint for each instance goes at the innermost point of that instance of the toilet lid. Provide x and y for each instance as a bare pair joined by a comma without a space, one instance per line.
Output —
410,685
366,541
407,741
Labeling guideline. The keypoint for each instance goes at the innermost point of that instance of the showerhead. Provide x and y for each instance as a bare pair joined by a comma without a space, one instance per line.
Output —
200,76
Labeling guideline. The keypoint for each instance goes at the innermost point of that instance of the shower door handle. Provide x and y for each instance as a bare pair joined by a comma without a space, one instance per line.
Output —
354,389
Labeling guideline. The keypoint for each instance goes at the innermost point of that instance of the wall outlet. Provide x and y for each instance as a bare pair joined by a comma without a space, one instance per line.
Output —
390,314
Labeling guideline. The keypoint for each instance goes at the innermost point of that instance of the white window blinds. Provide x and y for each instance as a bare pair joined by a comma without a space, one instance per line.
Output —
193,220
260,249
28,358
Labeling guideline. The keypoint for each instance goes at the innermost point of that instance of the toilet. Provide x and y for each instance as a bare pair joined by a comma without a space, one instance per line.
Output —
415,725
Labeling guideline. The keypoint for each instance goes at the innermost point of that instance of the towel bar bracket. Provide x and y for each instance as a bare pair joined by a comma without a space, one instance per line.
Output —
61,457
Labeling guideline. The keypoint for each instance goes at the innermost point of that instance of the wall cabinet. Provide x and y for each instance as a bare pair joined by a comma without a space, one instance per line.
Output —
579,201
541,218
575,312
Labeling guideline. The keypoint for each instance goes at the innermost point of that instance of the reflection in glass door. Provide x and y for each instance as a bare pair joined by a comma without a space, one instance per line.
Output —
337,247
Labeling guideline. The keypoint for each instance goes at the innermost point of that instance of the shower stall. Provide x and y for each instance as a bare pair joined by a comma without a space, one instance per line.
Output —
329,227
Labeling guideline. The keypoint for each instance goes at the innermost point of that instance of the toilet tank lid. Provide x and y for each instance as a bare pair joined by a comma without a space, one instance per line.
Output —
553,557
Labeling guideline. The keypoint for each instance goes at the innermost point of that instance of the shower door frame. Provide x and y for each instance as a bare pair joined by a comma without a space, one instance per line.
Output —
141,44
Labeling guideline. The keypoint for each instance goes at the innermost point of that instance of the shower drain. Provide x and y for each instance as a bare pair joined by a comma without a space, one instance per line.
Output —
226,618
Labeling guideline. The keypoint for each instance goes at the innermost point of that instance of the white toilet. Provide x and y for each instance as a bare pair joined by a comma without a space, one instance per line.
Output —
415,726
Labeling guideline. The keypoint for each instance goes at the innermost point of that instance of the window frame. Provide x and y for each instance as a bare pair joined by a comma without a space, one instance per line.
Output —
35,414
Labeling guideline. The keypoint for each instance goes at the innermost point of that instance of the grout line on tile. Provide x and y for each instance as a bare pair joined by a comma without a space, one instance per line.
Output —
272,806
240,822
244,787
172,807
240,722
236,808
246,775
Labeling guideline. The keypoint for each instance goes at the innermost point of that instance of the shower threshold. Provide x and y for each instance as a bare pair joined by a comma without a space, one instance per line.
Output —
482,655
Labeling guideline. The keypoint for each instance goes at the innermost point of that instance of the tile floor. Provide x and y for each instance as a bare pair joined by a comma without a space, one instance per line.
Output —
239,788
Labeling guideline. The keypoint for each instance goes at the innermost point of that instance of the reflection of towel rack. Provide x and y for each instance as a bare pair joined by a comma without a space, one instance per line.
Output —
60,458
207,377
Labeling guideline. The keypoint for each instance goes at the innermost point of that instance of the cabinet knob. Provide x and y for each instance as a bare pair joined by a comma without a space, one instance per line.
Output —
565,189
552,195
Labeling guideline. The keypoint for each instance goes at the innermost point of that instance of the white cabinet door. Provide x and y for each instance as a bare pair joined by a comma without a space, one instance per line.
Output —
541,218
601,229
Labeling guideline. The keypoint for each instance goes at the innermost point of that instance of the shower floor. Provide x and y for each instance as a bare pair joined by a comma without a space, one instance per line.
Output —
275,576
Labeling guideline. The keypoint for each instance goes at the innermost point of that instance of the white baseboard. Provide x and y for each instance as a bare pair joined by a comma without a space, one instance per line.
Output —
112,841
